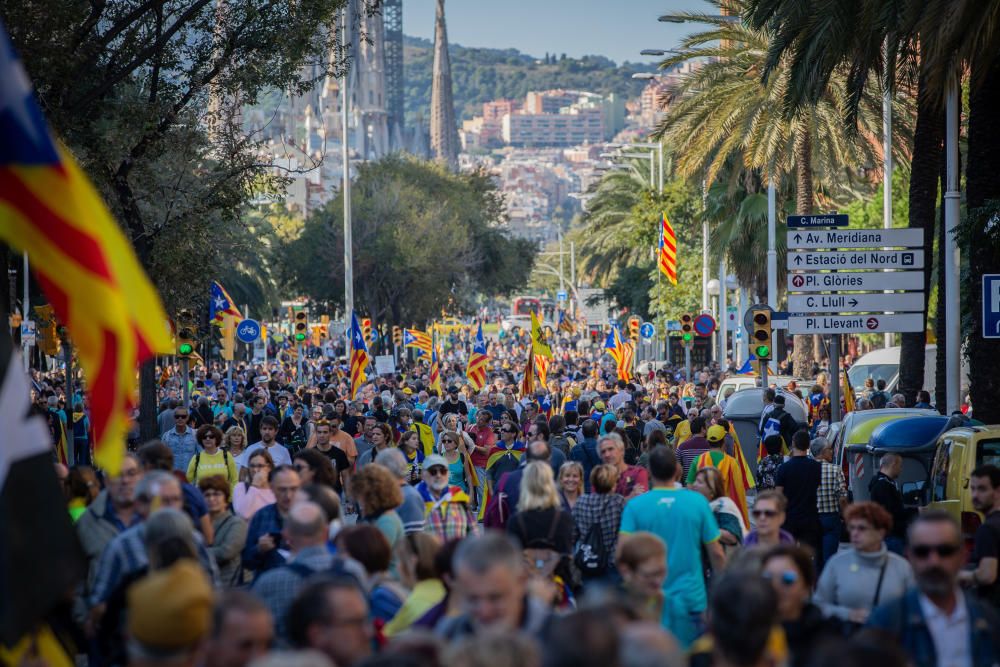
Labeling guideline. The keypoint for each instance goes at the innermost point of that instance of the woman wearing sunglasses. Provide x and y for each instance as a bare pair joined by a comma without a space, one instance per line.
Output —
855,580
768,514
790,570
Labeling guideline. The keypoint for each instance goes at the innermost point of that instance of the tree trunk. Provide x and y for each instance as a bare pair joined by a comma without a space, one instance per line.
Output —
982,189
802,352
925,169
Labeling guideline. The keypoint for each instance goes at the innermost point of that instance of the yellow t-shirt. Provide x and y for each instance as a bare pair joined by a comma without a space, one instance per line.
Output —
220,463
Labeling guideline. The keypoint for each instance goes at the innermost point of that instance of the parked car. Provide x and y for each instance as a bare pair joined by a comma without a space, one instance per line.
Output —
741,382
959,452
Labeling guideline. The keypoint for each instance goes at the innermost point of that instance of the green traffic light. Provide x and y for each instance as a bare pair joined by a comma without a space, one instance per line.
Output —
300,337
185,348
688,337
763,351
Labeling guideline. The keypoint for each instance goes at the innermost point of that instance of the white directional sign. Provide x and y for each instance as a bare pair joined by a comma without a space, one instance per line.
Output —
856,303
831,239
860,281
855,324
856,259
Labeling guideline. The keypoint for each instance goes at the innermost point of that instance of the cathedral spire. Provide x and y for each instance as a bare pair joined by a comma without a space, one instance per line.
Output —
444,133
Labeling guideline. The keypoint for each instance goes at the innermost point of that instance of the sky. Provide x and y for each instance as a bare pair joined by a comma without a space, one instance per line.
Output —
618,29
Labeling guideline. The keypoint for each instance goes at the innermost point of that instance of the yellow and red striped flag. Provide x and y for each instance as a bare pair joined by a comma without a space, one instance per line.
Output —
476,370
542,366
668,250
359,357
85,265
528,381
419,340
434,377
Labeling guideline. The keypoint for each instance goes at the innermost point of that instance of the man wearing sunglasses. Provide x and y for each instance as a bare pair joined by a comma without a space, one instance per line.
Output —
936,623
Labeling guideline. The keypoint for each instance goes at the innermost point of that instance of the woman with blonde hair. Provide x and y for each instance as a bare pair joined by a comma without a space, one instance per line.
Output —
234,441
539,521
455,451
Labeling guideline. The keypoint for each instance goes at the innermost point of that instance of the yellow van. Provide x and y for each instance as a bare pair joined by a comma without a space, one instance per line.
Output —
959,452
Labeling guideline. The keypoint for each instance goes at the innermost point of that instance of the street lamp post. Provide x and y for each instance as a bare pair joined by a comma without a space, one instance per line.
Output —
345,98
712,287
952,254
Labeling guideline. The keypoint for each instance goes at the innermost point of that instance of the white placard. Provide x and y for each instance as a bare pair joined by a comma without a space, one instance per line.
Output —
856,259
855,280
385,364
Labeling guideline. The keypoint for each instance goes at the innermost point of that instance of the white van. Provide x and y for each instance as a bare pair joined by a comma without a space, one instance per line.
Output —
884,365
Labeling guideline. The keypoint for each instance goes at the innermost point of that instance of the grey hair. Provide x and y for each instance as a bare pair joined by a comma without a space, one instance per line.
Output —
482,553
817,446
613,437
149,486
394,461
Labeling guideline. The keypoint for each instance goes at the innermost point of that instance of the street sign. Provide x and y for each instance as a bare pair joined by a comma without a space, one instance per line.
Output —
908,302
28,332
561,295
991,305
704,325
859,281
248,330
831,239
779,320
673,325
832,220
856,259
855,324
647,330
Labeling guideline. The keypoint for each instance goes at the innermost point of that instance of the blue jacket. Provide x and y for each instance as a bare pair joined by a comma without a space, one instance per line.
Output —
266,521
904,619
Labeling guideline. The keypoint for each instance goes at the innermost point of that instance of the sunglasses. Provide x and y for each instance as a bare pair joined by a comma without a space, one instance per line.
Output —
924,550
507,430
436,471
770,514
447,440
180,416
787,578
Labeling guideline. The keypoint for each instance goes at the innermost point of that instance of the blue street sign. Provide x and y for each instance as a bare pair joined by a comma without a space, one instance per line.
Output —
248,330
561,295
647,330
831,220
991,305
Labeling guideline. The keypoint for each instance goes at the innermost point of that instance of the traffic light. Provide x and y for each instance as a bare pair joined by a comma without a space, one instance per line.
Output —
227,344
633,327
300,326
48,336
687,328
761,338
187,333
366,329
397,335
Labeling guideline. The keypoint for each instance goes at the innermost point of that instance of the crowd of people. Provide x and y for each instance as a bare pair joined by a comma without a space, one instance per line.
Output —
586,520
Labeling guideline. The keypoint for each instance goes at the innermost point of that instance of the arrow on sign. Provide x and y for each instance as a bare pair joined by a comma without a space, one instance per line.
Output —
798,280
798,259
872,323
798,238
853,302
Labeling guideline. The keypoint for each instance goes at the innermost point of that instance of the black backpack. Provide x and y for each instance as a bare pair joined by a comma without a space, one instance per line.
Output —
591,554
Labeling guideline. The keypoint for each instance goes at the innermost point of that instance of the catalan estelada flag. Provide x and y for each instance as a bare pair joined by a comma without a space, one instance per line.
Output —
566,323
359,357
621,351
223,304
476,370
667,259
86,267
419,340
528,379
542,368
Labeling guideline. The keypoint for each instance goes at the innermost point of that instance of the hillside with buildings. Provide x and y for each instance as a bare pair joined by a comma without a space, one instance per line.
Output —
480,75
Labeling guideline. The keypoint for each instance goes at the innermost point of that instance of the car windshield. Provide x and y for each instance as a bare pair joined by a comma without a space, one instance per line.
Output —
858,374
988,451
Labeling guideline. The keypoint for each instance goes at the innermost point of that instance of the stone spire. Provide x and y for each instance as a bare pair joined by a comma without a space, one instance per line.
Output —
444,133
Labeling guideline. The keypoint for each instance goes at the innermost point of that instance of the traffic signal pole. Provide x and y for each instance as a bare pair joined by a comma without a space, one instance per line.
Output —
687,361
835,378
186,393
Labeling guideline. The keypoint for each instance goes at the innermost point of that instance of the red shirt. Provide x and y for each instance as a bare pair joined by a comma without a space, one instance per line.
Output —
485,437
632,477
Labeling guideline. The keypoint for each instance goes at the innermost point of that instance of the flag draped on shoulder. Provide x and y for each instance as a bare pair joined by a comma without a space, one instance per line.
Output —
359,357
420,340
667,259
222,305
539,342
85,265
476,371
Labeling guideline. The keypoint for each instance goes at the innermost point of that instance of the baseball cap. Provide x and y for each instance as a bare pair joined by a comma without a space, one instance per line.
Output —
434,460
452,389
716,433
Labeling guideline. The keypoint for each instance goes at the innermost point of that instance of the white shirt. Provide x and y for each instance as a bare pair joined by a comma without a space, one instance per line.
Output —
951,634
619,399
278,453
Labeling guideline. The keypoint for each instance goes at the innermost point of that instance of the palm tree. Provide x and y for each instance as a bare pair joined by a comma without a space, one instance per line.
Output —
726,110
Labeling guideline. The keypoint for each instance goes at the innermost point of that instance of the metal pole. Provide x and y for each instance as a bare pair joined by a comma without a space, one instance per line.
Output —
25,310
185,387
659,148
345,96
71,454
687,361
763,376
562,283
704,245
887,161
772,253
723,315
652,170
835,378
298,362
572,274
952,254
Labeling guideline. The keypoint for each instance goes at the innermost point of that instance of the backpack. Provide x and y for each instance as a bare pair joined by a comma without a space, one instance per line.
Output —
562,442
498,509
591,554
